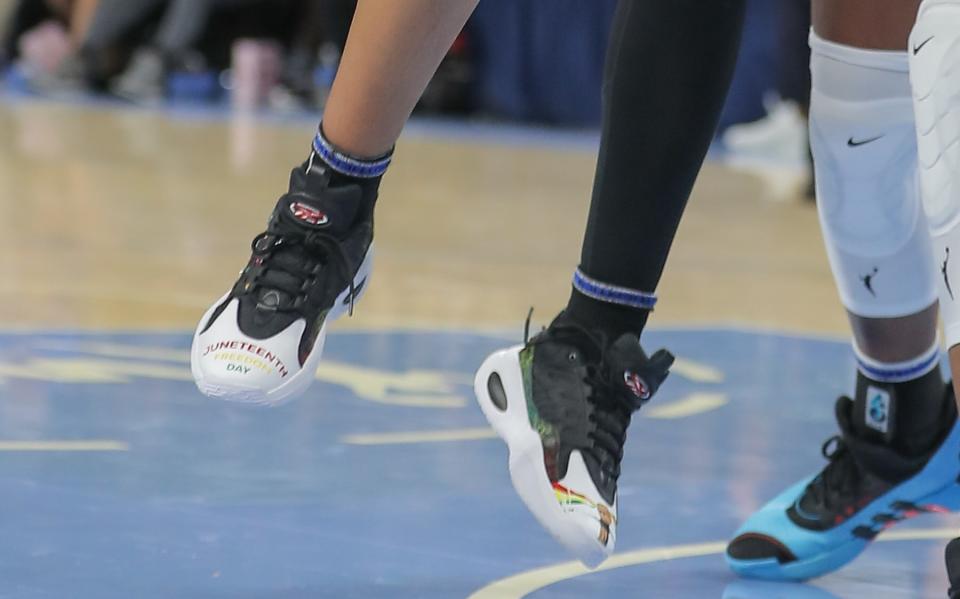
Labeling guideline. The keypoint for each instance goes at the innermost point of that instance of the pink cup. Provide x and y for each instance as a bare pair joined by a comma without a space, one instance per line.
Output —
255,69
44,47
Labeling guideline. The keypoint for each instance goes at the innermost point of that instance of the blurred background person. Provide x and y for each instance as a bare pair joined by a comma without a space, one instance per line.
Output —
766,118
319,35
518,60
73,17
134,47
175,44
159,35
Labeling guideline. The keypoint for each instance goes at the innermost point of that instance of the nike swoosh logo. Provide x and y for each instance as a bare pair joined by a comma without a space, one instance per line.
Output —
916,49
855,143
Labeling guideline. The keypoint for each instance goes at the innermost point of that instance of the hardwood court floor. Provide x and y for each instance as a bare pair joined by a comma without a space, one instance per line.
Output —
133,219
119,480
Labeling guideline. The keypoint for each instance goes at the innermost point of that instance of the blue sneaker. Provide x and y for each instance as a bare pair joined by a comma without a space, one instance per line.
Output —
823,522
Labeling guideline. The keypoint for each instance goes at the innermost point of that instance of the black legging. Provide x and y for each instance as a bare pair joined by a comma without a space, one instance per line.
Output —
668,69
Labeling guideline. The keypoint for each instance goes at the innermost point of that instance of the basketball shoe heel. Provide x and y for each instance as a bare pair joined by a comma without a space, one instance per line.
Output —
577,526
562,403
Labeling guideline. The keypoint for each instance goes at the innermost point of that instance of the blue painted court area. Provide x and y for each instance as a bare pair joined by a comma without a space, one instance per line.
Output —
117,479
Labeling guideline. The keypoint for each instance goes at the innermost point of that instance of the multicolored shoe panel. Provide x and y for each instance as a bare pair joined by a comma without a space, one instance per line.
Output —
262,341
562,403
823,522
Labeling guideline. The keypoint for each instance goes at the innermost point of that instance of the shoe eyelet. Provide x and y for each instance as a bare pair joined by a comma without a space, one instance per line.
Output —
572,356
262,243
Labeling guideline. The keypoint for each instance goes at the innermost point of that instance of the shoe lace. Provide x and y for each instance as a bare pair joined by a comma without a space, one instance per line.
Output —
840,477
612,408
292,262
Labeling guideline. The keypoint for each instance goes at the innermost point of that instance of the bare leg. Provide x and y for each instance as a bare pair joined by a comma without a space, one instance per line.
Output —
874,24
895,339
312,263
878,241
392,51
843,21
862,132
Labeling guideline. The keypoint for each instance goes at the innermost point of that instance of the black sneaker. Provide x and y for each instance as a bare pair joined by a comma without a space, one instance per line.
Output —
562,402
262,341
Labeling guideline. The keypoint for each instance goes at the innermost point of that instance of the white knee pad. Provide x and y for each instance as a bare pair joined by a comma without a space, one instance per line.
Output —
935,77
863,141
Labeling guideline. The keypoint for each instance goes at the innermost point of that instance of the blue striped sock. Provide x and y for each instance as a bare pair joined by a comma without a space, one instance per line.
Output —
345,164
898,372
612,294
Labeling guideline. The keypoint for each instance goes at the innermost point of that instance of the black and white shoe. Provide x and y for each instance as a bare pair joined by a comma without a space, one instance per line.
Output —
261,342
562,402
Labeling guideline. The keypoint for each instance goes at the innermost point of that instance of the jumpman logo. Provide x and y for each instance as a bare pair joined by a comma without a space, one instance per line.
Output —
868,281
946,277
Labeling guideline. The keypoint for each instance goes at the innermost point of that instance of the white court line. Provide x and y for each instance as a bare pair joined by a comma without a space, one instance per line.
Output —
522,584
462,434
691,405
65,446
696,371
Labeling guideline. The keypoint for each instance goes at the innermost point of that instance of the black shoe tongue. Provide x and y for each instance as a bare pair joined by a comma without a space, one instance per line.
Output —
869,448
641,375
314,204
851,420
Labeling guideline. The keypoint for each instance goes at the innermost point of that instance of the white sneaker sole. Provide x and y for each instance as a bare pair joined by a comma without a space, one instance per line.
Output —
301,380
527,470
